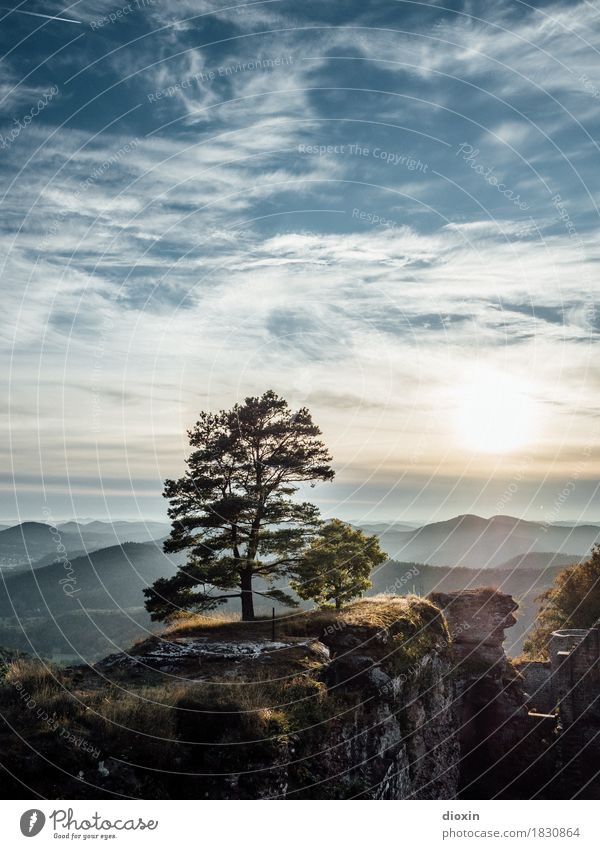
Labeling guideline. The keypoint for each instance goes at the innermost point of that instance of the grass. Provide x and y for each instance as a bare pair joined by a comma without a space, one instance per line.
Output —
28,674
292,625
218,626
194,727
388,611
197,729
381,611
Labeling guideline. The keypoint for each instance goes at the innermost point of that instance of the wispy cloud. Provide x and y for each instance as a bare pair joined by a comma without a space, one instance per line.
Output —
194,214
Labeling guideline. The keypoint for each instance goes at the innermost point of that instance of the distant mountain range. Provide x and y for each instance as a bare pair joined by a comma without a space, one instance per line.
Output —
84,606
539,560
382,527
91,603
33,543
103,580
118,531
466,540
478,543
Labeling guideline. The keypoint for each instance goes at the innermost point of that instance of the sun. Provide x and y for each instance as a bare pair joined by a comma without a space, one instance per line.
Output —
495,413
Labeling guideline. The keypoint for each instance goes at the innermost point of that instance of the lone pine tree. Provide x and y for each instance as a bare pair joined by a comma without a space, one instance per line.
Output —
233,510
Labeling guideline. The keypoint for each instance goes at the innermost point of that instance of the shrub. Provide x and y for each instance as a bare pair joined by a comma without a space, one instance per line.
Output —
573,601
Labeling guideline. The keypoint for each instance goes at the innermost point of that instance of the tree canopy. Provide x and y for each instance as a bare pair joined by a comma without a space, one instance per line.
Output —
336,567
573,601
233,510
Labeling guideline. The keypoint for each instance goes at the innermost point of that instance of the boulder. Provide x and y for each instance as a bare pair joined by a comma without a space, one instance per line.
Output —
477,620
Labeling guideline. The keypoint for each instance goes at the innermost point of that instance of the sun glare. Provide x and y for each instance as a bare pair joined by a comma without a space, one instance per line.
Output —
495,414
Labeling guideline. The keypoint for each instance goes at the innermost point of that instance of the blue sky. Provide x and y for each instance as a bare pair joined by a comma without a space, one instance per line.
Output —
387,211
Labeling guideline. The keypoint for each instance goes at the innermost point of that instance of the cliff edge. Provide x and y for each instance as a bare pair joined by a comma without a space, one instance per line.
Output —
393,697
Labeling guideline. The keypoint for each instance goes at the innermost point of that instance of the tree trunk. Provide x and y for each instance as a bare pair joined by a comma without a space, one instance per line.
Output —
247,596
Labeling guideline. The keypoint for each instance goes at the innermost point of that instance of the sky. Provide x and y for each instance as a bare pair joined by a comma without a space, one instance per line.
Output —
385,211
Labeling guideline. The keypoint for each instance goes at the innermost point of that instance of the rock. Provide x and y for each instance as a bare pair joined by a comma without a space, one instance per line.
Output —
402,738
187,656
399,698
477,620
359,672
491,702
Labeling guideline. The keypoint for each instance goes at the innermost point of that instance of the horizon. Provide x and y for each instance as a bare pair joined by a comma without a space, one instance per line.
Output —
352,521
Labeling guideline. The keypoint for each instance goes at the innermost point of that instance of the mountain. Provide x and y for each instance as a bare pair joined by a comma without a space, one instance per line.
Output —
385,527
30,541
574,524
540,560
108,579
33,543
83,608
478,543
119,531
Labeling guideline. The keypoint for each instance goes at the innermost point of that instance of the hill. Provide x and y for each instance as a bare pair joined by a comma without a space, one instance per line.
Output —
478,543
540,560
87,607
35,544
108,579
26,543
119,531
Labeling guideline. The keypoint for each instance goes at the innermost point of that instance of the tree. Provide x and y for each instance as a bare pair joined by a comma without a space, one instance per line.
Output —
233,510
573,601
337,565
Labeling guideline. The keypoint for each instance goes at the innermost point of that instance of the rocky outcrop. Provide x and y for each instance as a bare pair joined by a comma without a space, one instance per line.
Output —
366,711
491,703
402,740
391,698
192,656
477,620
397,698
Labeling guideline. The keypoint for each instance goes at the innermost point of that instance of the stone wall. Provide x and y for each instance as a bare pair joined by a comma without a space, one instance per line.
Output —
536,676
575,689
575,663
